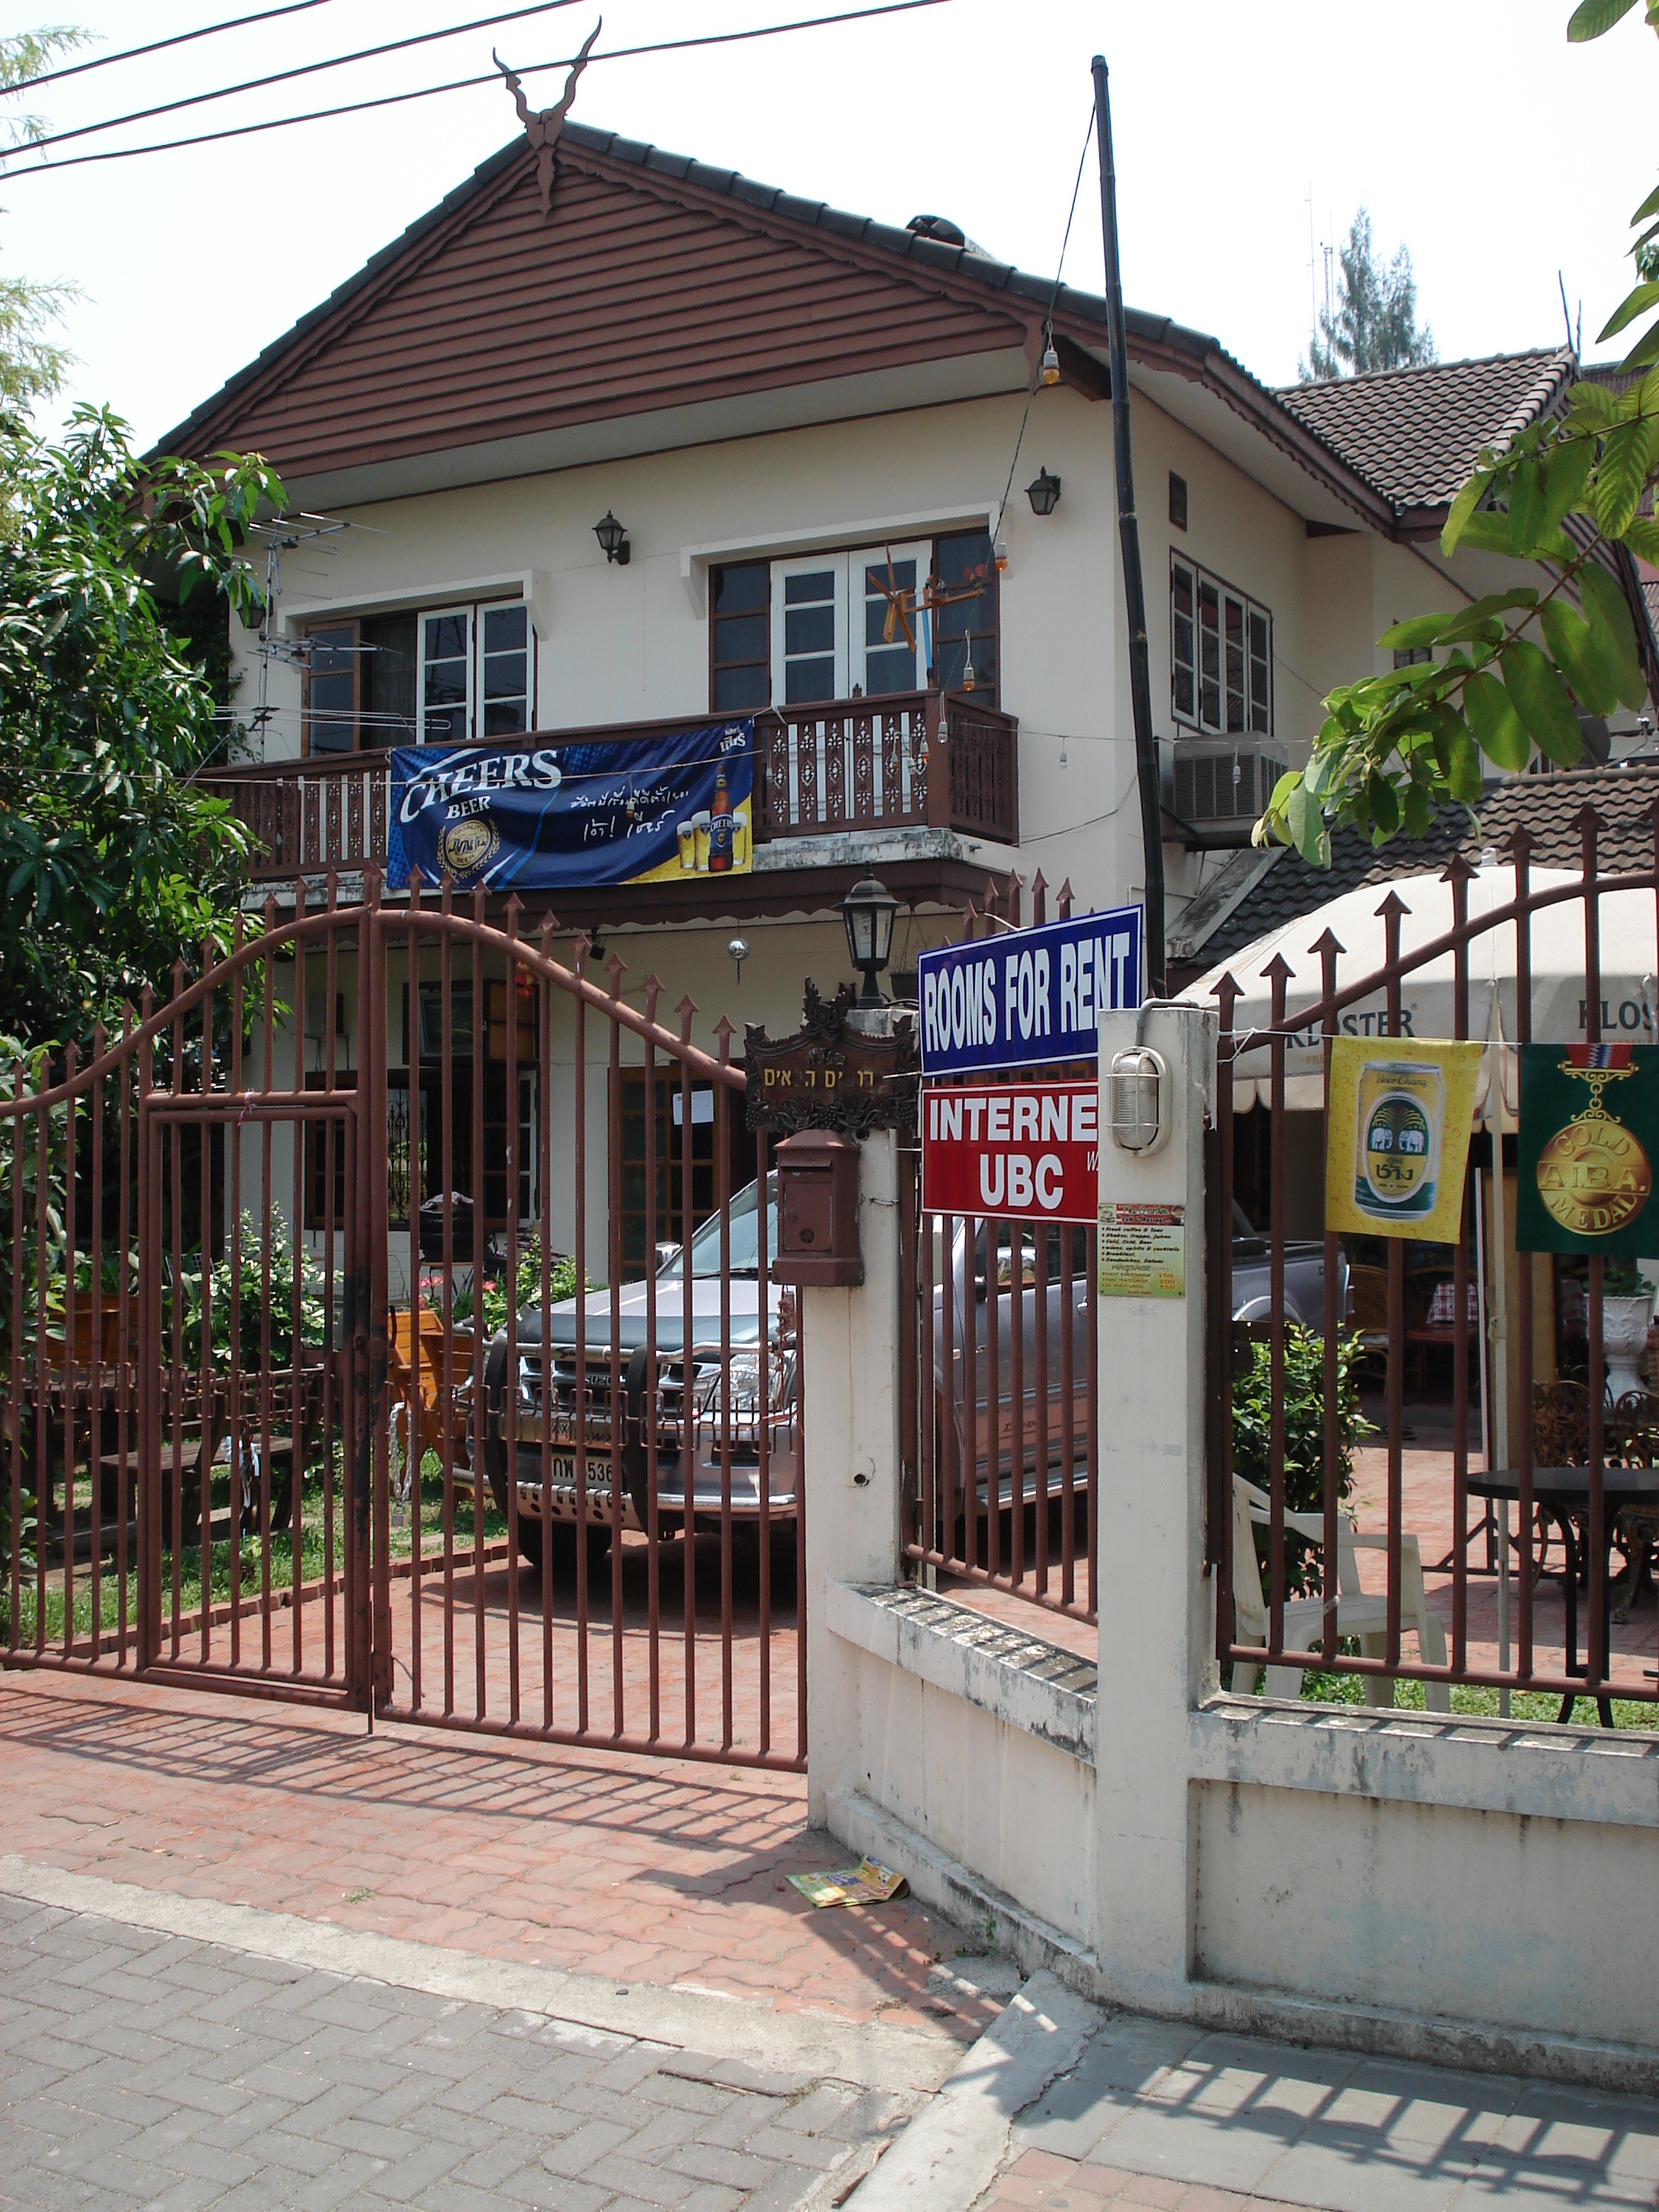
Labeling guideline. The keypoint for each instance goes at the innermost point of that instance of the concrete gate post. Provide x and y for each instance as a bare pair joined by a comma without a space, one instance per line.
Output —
1156,1601
850,1444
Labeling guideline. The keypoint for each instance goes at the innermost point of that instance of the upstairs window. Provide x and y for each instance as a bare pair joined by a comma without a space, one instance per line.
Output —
818,627
739,642
449,676
1220,656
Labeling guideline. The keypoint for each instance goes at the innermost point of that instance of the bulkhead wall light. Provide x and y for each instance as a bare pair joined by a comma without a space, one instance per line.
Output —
1138,1100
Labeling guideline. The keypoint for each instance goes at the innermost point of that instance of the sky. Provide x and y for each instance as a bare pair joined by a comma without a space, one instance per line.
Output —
1470,129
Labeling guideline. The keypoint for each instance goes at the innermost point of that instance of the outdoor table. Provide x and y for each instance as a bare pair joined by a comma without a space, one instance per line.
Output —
1562,1491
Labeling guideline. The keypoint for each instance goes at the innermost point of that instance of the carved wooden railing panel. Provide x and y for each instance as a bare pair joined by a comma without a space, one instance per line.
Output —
847,764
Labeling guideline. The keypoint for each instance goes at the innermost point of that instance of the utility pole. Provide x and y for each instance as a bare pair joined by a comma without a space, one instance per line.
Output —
1141,682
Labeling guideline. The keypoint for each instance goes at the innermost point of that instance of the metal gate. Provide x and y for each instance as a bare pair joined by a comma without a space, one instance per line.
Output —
999,1389
272,1419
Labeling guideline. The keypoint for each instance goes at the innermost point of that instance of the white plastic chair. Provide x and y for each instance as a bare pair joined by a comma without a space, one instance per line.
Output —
1358,1611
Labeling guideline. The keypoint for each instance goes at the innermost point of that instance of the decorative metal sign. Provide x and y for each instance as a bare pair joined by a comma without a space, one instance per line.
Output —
1030,998
1590,1136
829,1075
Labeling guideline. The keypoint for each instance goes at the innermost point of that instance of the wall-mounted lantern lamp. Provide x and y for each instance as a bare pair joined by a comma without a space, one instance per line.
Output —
868,910
1043,492
613,540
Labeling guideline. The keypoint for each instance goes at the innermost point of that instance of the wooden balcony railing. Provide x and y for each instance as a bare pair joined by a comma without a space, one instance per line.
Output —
934,760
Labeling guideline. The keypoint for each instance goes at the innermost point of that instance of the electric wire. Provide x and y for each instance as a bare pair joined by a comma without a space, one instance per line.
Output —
301,69
1048,322
158,45
468,83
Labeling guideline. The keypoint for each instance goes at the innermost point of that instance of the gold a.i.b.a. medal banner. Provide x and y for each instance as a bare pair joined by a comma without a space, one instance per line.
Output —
1397,1136
1590,1137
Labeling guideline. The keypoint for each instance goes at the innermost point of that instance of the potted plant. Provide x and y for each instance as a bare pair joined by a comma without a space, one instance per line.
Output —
1626,1317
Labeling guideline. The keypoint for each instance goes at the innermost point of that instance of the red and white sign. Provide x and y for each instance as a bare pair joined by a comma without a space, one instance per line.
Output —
1018,1151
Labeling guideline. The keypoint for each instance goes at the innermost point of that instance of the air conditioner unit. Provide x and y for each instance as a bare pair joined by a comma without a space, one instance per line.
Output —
1221,786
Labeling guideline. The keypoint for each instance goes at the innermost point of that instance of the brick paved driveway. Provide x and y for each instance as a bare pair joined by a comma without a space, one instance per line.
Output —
144,2069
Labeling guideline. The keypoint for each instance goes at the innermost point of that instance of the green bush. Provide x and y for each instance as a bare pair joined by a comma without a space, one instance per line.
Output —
1305,1436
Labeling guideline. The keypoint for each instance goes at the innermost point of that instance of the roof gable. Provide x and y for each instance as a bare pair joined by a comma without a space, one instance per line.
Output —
490,322
1414,433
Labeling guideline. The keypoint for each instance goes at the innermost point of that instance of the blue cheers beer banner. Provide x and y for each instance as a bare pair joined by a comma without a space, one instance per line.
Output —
539,817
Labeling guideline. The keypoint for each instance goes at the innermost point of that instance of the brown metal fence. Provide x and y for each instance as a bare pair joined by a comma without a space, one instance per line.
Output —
1569,1517
999,1391
270,1419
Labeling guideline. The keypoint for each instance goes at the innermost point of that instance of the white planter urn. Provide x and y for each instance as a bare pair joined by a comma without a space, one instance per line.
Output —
1625,1324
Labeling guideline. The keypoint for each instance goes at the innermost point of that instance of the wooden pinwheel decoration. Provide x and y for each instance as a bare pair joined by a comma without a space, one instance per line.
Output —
902,601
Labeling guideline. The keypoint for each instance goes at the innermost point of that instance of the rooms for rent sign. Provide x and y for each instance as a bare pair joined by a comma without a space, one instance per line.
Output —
1028,998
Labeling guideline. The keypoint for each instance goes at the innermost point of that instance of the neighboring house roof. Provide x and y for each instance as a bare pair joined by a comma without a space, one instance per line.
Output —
1414,433
1280,884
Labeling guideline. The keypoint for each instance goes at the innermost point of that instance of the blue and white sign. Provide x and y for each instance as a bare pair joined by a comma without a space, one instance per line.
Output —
1030,996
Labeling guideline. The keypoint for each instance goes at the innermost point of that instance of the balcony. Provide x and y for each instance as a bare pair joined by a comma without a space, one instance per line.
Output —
942,762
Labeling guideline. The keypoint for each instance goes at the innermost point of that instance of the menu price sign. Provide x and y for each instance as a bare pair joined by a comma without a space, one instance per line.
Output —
1143,1251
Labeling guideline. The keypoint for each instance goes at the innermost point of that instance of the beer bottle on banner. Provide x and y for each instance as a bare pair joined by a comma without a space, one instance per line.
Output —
720,828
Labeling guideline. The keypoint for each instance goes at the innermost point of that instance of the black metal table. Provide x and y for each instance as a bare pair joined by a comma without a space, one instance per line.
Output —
1563,1491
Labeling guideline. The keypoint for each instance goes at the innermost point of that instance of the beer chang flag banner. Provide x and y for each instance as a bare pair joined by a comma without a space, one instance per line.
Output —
1396,1138
666,808
1590,1136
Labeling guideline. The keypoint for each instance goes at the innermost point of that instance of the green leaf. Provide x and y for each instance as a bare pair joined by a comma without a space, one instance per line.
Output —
1565,476
1408,637
1626,457
1461,763
1498,729
1649,207
1540,699
1461,509
1385,803
1645,350
1641,534
1478,619
1590,403
1590,18
1634,304
1613,630
1419,811
1487,532
1526,506
1595,680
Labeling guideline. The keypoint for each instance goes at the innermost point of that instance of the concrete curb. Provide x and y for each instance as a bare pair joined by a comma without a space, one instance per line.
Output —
737,2031
951,2153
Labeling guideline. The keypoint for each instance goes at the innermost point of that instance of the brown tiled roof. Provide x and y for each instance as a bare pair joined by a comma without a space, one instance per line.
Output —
1414,433
1623,794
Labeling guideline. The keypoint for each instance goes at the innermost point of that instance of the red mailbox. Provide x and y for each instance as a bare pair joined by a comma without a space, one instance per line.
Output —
817,1211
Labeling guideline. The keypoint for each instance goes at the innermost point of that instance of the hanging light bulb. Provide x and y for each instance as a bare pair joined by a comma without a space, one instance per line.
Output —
1001,555
1062,749
968,677
1050,360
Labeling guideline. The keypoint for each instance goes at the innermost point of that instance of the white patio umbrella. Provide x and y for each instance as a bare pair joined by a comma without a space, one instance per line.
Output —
1628,961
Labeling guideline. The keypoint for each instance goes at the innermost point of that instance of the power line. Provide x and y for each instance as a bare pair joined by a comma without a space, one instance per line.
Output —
468,83
156,46
302,69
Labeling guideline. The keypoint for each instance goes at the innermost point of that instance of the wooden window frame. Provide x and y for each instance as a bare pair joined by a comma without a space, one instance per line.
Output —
333,623
1258,718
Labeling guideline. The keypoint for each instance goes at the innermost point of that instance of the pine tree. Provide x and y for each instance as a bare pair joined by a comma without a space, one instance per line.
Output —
1374,322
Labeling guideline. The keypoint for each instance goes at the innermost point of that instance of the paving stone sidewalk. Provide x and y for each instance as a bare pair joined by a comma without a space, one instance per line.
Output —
140,2069
1153,2114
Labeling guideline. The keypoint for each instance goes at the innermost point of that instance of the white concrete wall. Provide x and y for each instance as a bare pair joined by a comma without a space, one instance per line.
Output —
1455,1888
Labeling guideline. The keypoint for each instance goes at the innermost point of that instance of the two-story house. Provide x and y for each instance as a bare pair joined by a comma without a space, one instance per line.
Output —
668,449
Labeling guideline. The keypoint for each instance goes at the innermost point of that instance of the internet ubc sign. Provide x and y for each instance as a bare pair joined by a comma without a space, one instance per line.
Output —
1029,998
